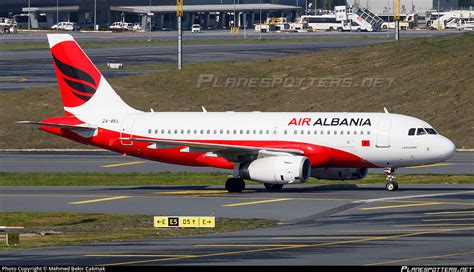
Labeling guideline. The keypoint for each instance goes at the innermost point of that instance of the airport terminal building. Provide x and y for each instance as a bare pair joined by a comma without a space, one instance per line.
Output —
208,13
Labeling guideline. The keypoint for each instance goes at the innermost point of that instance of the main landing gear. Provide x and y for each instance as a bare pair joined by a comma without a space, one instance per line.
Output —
235,185
391,185
273,187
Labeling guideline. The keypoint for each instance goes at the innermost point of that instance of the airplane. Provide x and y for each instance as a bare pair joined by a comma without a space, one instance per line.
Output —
273,148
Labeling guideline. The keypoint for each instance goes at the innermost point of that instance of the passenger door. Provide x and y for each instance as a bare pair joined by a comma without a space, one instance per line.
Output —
383,133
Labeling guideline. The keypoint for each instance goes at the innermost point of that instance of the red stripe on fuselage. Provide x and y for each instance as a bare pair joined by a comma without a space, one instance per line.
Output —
320,156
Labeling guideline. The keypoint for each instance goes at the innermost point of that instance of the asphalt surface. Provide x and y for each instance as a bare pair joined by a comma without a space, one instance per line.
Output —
103,161
34,68
40,36
319,225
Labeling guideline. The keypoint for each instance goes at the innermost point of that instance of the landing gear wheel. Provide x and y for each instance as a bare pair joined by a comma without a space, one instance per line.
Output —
391,186
235,185
273,187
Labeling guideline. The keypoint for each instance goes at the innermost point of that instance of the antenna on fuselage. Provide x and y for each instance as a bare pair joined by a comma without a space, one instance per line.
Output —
203,109
385,110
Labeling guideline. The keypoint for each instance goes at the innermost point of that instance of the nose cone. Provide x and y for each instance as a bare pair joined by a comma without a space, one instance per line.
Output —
446,148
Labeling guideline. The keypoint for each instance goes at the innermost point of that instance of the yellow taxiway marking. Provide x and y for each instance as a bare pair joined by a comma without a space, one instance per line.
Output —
137,255
384,230
432,225
400,206
430,165
422,258
439,202
122,164
256,202
98,200
449,213
447,219
266,249
199,192
322,237
250,245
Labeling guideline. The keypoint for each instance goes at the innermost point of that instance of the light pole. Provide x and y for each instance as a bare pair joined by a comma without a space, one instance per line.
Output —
57,15
234,15
29,15
149,18
438,17
260,17
95,15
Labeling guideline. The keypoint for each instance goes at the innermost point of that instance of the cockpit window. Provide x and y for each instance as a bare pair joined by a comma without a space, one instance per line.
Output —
411,131
420,131
431,131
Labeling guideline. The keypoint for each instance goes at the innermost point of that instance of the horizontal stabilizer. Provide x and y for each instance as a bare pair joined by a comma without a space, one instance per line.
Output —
65,126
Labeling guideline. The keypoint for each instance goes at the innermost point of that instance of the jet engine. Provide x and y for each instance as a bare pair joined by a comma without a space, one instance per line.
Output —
277,169
339,173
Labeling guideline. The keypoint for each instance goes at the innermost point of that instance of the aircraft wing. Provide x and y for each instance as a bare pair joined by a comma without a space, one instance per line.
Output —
212,147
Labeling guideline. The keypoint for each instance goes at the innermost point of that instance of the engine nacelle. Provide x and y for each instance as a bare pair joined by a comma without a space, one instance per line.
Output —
277,170
339,173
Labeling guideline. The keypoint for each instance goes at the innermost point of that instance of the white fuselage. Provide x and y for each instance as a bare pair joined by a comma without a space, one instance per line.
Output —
379,138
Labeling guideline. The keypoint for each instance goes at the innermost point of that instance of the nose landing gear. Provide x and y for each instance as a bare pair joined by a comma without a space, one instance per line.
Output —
391,185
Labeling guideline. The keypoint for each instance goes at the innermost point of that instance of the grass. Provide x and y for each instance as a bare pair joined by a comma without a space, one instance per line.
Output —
431,79
157,42
83,228
191,179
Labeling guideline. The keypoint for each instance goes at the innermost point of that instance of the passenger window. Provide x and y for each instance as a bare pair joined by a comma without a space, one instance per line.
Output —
182,131
296,131
309,132
411,131
175,131
267,131
149,131
431,131
420,131
302,132
162,131
254,131
315,132
156,131
215,131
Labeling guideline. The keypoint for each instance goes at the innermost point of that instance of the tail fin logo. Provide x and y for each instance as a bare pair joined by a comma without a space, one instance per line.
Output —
78,78
82,84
